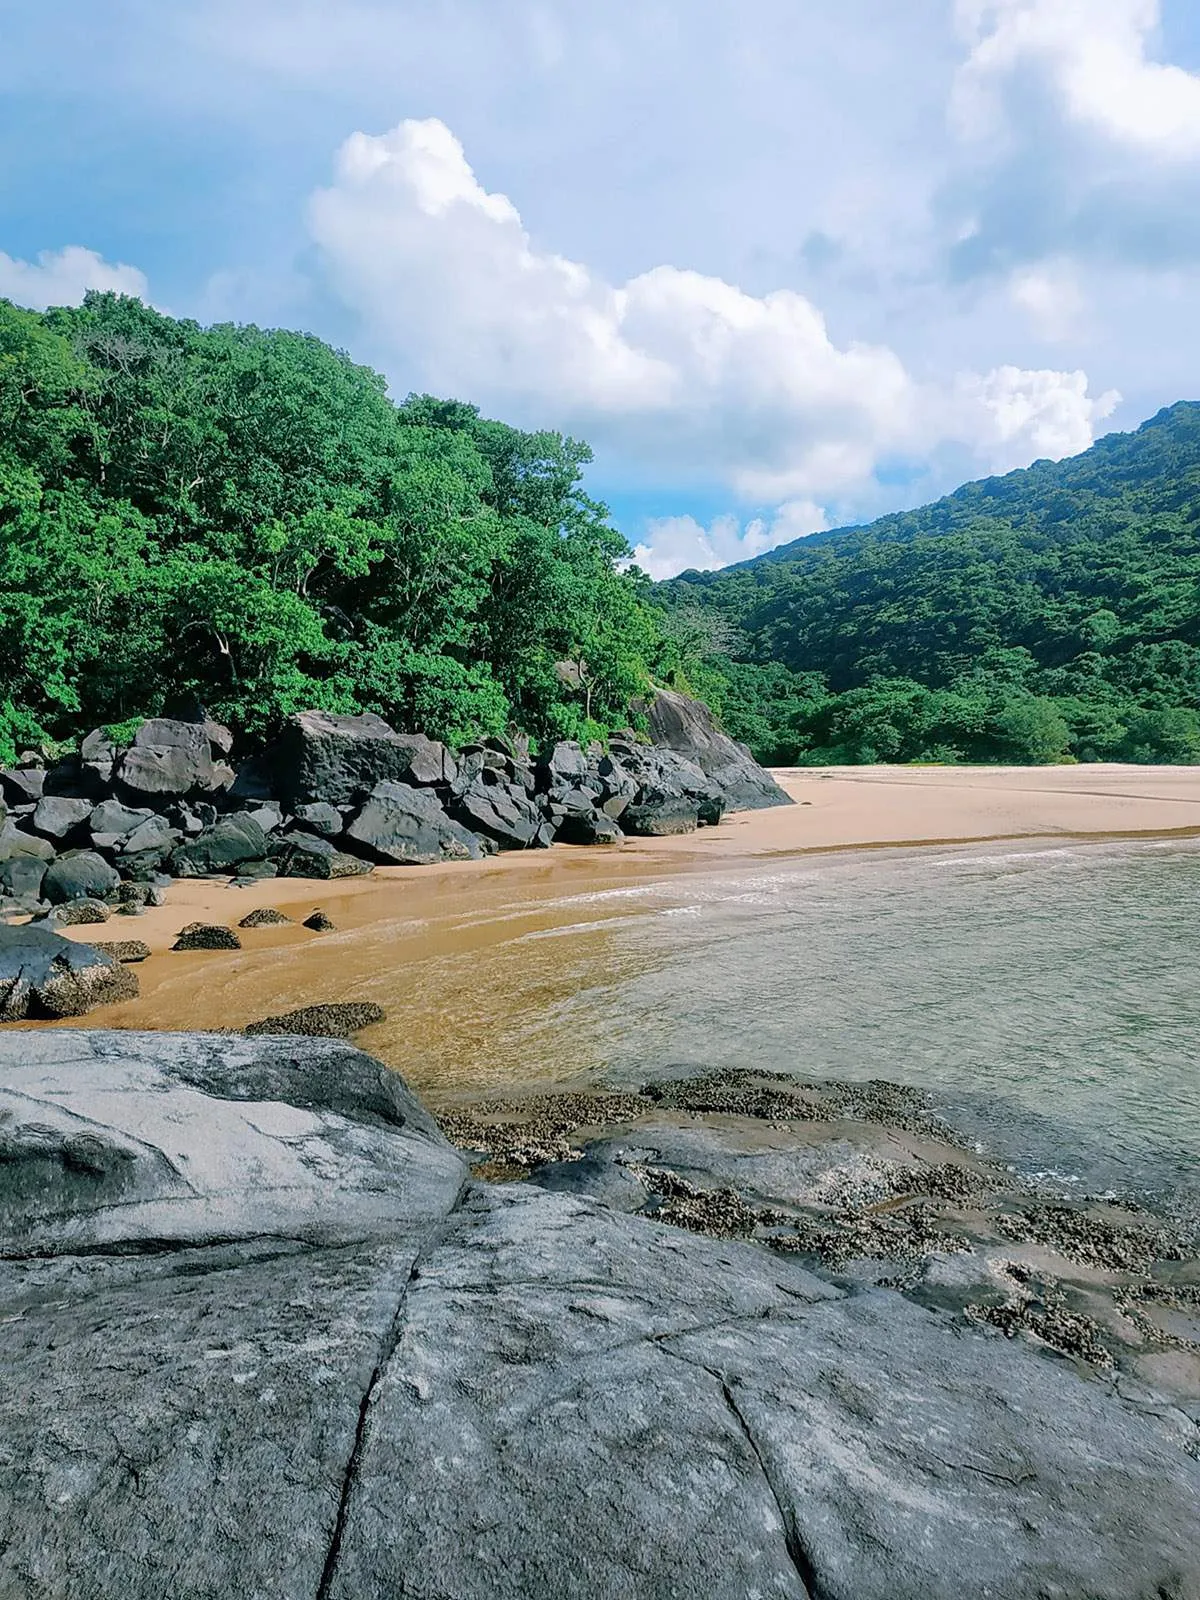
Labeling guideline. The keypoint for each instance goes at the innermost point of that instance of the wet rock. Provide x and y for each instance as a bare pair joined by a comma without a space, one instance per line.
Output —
125,950
44,975
330,1021
320,923
265,917
207,936
171,759
221,848
408,827
82,875
688,727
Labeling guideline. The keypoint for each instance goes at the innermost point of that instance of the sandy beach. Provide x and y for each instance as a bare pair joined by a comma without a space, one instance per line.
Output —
418,920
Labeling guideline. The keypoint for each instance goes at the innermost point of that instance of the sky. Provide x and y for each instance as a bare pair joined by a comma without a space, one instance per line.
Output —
786,265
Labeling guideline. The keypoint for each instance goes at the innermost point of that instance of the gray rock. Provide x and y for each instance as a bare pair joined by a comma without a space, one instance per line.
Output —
220,848
260,1341
172,759
110,817
97,756
661,816
59,818
408,827
76,913
688,727
82,875
44,975
15,843
269,815
339,760
318,817
589,827
503,813
21,878
155,833
565,763
306,855
22,785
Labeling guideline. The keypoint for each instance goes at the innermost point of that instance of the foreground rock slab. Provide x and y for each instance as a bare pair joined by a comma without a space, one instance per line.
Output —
262,1338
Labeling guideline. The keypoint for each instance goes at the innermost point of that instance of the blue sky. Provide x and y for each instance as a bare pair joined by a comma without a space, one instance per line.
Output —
785,264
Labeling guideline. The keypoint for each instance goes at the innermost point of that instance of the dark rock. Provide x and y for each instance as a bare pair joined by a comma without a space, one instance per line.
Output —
503,814
254,781
44,975
172,759
588,827
305,855
254,872
269,815
688,727
97,757
608,1182
408,827
15,843
318,817
58,818
155,833
146,866
21,878
661,816
75,913
265,917
221,848
82,875
125,950
566,763
339,760
322,1021
320,923
218,735
663,779
111,818
194,816
207,936
23,785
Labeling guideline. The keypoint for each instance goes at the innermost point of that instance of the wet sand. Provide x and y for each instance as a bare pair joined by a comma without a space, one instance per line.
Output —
460,934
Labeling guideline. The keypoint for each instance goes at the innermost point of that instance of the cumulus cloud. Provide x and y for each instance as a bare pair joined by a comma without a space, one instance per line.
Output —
63,277
673,369
673,544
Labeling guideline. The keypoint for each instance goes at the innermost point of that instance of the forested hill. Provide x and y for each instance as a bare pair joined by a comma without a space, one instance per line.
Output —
243,519
1051,613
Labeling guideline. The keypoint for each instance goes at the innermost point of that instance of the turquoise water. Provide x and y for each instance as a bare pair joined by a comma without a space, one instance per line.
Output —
1047,996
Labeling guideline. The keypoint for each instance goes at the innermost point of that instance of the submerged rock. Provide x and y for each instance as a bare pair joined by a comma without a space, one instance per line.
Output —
320,922
329,1021
265,917
265,1341
44,975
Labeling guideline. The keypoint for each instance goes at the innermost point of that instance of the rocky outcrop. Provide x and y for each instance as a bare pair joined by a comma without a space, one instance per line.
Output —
264,1338
44,975
337,796
688,727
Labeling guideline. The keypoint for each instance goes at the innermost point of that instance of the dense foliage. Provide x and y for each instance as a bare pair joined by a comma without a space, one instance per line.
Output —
243,519
1047,615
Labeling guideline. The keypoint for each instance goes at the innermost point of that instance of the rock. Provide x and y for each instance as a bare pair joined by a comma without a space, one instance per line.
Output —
265,1341
320,923
59,818
565,764
322,1021
82,875
662,780
21,878
250,872
321,818
688,727
125,950
44,975
305,855
503,814
408,827
269,815
97,757
14,843
207,936
220,848
588,827
339,760
76,913
154,834
218,735
22,785
172,759
661,816
111,818
265,917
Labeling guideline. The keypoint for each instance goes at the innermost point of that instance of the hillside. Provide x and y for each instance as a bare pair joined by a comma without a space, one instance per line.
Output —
1051,613
242,518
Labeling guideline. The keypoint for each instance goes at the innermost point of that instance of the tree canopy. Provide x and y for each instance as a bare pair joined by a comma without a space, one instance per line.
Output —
244,519
1050,614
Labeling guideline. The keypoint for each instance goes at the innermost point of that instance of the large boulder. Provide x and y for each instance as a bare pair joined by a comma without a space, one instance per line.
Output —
264,1339
220,849
44,975
670,793
339,760
688,727
501,810
171,759
81,875
60,818
308,855
22,786
408,827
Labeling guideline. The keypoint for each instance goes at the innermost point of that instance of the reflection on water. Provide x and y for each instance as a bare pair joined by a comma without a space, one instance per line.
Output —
1062,981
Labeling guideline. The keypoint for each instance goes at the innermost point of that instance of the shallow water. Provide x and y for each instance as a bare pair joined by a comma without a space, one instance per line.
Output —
1050,994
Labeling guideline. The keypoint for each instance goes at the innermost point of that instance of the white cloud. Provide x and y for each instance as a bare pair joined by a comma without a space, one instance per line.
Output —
63,277
1050,295
676,371
673,544
1094,55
